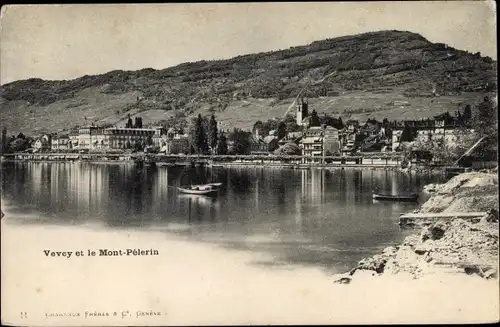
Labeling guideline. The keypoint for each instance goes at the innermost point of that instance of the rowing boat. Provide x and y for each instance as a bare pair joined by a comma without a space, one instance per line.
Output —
199,189
202,186
390,197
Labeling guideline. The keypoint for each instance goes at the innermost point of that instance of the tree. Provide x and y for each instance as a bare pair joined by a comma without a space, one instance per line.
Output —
257,126
138,145
486,118
281,130
387,128
18,145
8,141
212,133
222,145
199,140
291,124
315,119
467,114
129,122
272,145
288,149
341,123
241,141
408,133
265,127
331,121
138,122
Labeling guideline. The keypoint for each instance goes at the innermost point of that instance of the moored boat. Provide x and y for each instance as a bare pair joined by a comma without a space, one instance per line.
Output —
213,185
391,197
199,189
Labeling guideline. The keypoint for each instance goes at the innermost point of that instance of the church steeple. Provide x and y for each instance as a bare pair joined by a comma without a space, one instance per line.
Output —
302,110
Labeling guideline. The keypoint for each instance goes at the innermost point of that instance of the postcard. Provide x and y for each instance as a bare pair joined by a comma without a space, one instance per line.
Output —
249,163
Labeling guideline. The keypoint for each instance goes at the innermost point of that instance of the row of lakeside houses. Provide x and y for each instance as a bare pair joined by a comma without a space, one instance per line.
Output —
312,140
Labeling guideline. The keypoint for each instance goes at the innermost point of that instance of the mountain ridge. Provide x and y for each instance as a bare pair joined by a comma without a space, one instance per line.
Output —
398,64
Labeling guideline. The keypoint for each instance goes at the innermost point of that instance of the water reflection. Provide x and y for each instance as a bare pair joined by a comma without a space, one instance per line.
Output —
313,216
199,207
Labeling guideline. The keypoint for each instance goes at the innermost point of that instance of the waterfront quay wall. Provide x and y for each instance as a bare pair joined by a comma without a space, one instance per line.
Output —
377,159
333,165
365,160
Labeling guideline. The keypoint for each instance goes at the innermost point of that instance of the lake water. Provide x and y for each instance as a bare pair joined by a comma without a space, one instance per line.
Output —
318,218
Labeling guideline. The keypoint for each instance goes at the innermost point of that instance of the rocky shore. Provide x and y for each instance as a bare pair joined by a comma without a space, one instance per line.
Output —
451,245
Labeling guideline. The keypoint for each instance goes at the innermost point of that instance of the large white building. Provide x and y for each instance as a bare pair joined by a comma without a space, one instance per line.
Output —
312,142
90,137
60,143
430,129
98,138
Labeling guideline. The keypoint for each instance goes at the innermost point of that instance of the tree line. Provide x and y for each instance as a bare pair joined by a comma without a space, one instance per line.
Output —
205,137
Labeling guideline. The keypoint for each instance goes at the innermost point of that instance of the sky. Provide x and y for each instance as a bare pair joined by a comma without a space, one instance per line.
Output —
68,41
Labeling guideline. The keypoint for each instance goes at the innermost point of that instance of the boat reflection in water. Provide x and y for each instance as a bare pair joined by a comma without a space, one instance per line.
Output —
395,197
198,207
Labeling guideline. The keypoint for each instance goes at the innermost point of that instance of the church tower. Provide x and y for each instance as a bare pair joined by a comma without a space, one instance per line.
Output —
302,110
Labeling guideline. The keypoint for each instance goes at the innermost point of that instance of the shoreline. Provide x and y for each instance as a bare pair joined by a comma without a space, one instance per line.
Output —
279,165
444,247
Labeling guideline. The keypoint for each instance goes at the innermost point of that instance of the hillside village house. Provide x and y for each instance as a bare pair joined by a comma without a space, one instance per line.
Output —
442,127
73,139
331,141
348,136
257,145
263,145
320,141
172,142
60,143
291,137
160,135
43,143
450,133
177,145
312,143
